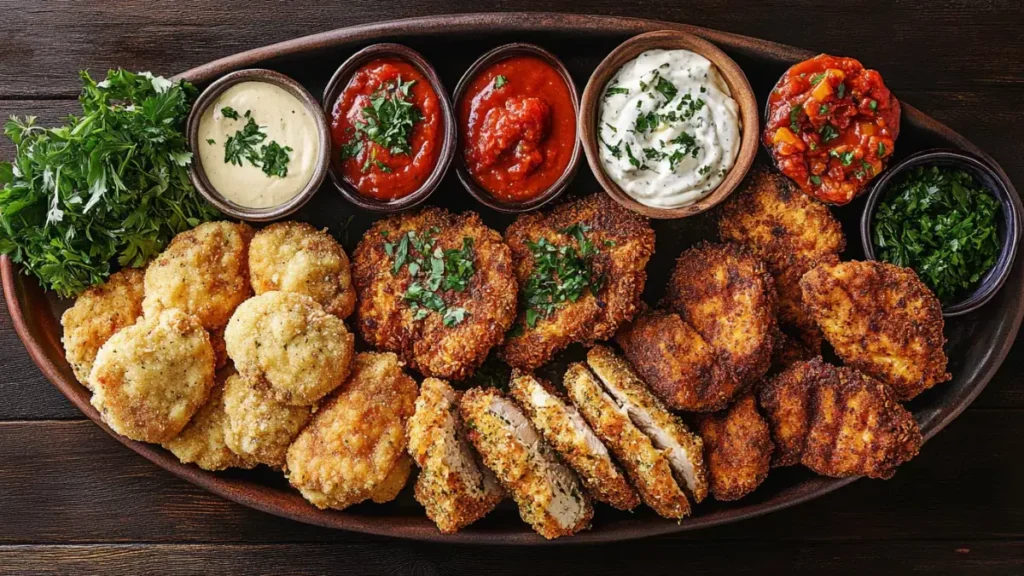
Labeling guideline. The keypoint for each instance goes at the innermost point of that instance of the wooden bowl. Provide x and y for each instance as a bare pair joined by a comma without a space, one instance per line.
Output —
333,91
559,186
198,175
734,78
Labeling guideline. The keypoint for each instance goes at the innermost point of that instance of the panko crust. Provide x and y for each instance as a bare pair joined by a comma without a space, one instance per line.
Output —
787,401
349,451
737,449
203,272
678,364
202,441
256,426
386,321
625,243
286,343
296,257
98,313
728,296
150,378
882,320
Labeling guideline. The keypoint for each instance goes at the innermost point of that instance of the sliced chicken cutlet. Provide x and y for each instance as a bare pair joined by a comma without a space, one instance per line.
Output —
581,271
882,320
838,422
737,449
566,430
453,486
548,493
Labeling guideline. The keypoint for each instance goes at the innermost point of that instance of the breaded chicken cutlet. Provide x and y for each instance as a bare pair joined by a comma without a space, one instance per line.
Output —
882,320
548,493
437,289
256,426
581,271
837,421
453,486
737,449
570,435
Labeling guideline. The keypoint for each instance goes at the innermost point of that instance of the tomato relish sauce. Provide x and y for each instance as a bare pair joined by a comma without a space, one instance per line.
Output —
831,126
518,127
386,130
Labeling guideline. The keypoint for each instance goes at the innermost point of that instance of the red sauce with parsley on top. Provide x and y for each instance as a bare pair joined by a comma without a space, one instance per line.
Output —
386,130
831,126
518,127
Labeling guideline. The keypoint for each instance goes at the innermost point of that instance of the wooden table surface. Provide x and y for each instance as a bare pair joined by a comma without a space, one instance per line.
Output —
73,500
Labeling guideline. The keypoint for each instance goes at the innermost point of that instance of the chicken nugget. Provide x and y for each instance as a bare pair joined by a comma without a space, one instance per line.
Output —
354,448
737,449
296,257
202,441
98,313
453,486
285,342
150,378
256,426
787,401
882,320
203,272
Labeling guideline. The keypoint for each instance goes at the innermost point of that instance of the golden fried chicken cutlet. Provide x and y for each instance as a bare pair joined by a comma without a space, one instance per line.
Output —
296,257
727,295
437,289
453,486
838,422
737,449
581,270
98,314
681,368
150,378
548,493
882,320
256,426
203,272
570,435
354,448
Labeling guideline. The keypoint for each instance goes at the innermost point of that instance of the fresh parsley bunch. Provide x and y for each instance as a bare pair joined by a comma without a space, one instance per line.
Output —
109,185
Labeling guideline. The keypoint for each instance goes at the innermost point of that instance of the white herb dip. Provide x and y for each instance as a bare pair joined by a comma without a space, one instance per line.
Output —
669,128
283,118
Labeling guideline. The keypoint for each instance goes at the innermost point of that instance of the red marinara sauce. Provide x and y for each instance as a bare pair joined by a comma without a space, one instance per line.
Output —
379,161
518,127
831,126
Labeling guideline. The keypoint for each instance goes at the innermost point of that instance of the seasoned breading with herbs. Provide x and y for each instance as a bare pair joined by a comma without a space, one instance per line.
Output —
256,426
737,448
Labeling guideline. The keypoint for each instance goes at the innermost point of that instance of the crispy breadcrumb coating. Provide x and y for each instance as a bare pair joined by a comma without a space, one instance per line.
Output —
737,449
256,426
202,441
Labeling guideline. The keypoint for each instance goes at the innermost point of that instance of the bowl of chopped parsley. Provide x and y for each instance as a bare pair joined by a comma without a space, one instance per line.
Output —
951,218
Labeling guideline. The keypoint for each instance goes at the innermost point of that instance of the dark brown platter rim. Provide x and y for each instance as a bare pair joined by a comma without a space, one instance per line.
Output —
38,329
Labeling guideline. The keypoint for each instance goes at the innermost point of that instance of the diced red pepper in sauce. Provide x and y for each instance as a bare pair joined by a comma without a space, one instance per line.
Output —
831,127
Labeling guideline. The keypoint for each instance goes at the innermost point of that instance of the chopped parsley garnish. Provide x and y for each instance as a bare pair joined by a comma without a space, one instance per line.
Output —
828,133
613,90
873,104
841,90
794,117
822,110
881,150
387,122
816,180
846,158
817,78
646,122
500,81
667,89
433,271
632,159
211,141
244,145
275,159
229,112
561,274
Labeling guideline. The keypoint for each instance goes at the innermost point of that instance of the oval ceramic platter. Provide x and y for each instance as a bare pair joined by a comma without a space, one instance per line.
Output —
977,342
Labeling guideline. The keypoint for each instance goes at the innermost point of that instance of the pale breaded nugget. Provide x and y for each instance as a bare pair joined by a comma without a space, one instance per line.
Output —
98,313
285,342
570,435
354,448
256,426
453,486
202,441
550,497
295,257
684,449
882,320
203,272
647,466
737,449
150,378
678,364
613,242
728,296
394,482
409,268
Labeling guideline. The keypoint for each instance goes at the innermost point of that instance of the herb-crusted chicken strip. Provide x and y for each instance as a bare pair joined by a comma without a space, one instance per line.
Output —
882,320
737,449
581,270
563,427
548,493
453,486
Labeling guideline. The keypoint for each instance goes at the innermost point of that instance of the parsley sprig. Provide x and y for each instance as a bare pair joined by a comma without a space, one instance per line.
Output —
244,145
387,122
433,271
561,274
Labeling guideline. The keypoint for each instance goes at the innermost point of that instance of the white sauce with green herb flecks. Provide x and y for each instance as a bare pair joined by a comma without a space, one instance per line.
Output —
669,128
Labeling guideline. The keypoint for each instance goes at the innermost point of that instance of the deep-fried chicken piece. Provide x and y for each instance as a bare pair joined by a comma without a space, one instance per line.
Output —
623,241
788,350
882,320
568,433
737,449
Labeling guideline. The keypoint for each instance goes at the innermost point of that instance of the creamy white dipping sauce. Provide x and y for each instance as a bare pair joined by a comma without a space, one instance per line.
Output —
284,119
669,128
